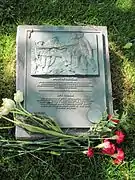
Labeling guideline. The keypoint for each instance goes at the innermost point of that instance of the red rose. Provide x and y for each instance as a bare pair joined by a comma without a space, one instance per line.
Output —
119,156
110,117
90,152
119,136
109,148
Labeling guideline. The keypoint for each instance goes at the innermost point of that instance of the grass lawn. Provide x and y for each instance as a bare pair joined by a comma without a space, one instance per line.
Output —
119,17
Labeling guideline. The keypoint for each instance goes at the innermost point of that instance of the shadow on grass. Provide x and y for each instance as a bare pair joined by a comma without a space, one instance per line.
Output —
121,25
117,81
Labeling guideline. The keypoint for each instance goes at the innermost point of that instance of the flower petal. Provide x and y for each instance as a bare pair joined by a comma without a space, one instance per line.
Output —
120,136
119,157
109,147
8,104
120,154
110,116
18,96
115,121
3,111
90,152
116,161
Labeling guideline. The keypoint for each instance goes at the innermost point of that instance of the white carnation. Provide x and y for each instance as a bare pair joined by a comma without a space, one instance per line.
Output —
8,104
18,96
3,111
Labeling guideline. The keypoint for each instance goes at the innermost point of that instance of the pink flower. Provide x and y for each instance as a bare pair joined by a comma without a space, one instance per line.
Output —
109,148
119,136
115,120
110,117
119,156
90,152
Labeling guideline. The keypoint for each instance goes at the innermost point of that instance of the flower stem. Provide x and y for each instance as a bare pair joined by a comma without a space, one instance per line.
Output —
8,119
8,127
24,109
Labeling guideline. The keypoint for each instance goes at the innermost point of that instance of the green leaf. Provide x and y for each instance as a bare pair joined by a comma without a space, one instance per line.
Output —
128,45
111,124
105,129
49,122
35,129
54,153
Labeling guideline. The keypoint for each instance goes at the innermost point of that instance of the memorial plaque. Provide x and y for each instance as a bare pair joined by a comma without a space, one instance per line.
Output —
64,72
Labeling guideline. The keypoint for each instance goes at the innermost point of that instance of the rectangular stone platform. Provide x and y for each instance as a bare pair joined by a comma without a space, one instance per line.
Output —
64,72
